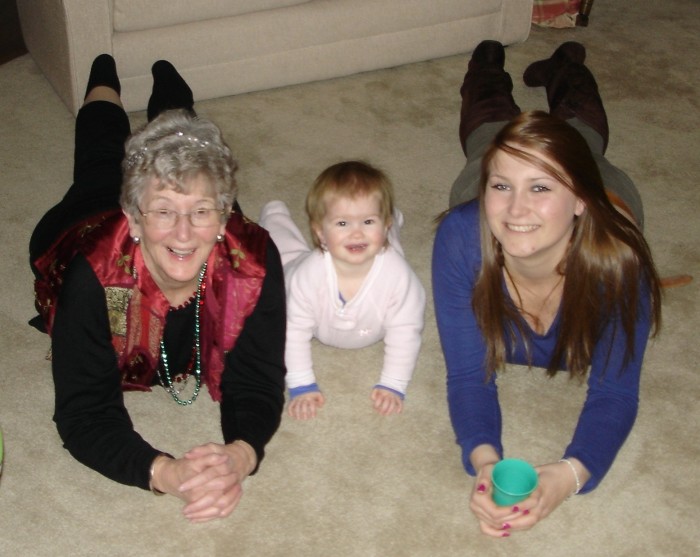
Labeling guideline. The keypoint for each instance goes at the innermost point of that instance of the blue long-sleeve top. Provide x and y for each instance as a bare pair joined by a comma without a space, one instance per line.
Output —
612,399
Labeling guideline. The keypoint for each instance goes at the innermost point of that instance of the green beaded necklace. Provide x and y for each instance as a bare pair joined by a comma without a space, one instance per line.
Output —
168,382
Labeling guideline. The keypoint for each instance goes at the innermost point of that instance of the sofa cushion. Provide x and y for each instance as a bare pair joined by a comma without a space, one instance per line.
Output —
311,41
297,28
137,15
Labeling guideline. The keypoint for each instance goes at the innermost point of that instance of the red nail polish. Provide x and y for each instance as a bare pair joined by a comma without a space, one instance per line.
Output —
506,526
526,511
481,488
516,509
505,534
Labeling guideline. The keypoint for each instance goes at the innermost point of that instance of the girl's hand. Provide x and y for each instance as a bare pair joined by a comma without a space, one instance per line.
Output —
306,406
556,484
386,402
493,520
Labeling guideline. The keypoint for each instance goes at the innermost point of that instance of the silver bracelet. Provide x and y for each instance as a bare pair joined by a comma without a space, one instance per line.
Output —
573,469
151,471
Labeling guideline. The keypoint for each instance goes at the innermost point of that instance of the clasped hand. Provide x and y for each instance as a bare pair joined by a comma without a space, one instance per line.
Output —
554,487
208,478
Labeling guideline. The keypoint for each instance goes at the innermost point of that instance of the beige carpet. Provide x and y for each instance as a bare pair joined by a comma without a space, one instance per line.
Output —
352,483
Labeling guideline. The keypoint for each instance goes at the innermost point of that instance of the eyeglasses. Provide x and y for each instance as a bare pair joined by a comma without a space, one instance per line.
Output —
199,218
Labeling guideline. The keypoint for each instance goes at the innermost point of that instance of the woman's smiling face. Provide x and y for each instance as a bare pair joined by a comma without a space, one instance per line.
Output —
529,212
174,256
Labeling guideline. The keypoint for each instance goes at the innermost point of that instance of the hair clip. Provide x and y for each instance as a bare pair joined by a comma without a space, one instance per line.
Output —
192,139
137,156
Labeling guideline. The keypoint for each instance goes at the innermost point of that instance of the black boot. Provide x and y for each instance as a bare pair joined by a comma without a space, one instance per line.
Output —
487,91
103,73
170,90
572,91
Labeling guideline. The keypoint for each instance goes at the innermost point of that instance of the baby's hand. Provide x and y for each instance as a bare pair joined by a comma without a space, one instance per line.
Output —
386,402
305,407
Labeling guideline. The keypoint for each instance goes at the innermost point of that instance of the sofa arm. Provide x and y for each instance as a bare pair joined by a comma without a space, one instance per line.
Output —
64,37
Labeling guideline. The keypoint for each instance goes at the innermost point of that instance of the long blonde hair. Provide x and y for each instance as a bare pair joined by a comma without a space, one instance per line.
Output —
605,266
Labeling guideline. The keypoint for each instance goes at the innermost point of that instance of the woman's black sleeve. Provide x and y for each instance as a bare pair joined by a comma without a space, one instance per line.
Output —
89,413
253,381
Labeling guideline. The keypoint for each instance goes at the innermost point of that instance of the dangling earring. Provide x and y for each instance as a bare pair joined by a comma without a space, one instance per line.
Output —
136,240
219,238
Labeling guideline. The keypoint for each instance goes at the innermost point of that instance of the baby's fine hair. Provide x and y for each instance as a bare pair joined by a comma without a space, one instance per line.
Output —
173,149
349,179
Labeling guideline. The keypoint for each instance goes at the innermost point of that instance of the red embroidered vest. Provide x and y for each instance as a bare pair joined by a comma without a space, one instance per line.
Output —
136,306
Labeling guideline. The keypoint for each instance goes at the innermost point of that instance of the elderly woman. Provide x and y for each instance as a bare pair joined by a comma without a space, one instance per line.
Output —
171,289
541,262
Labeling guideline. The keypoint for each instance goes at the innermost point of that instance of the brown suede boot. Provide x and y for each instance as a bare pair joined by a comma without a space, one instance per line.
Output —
572,91
539,73
486,91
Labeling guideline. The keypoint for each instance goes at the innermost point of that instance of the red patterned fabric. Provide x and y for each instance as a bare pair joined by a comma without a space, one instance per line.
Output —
136,306
555,13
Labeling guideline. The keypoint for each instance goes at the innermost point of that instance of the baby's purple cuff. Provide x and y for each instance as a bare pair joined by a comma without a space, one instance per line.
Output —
296,391
400,394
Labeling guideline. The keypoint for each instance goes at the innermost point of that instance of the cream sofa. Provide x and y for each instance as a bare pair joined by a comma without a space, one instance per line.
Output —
225,47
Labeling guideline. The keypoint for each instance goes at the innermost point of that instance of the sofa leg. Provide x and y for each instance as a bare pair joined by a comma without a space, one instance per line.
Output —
583,13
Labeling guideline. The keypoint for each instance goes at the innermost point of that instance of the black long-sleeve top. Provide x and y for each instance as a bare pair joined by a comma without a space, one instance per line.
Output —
90,414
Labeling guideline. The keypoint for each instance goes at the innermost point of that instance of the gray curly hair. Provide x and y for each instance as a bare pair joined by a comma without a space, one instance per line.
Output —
174,148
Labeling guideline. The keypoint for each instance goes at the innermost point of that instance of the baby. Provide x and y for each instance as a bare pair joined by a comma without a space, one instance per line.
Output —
355,289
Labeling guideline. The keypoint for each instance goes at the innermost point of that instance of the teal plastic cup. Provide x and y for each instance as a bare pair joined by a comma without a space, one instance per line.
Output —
513,480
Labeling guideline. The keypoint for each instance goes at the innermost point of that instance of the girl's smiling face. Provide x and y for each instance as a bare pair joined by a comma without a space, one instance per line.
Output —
529,212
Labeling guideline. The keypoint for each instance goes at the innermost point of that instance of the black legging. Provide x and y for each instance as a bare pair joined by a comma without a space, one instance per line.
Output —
101,129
